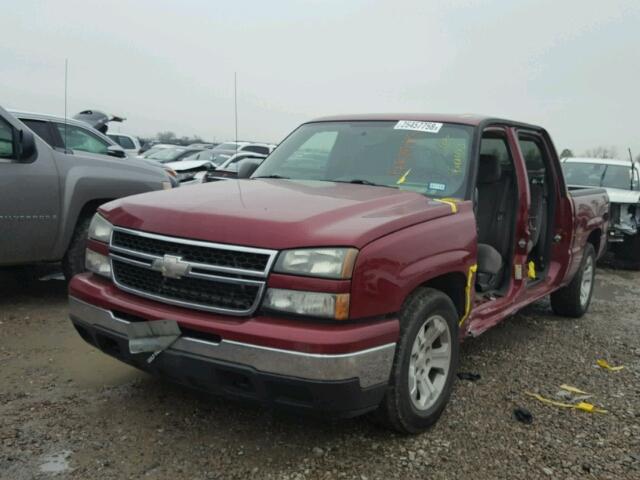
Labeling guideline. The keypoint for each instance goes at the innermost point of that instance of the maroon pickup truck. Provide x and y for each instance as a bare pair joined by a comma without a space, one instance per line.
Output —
340,275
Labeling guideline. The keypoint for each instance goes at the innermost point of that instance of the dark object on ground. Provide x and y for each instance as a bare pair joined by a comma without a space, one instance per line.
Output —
523,415
472,377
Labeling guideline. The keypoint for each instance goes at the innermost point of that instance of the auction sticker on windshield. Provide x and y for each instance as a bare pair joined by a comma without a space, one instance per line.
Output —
429,127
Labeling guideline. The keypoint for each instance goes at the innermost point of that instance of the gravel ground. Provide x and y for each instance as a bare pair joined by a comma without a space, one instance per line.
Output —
68,411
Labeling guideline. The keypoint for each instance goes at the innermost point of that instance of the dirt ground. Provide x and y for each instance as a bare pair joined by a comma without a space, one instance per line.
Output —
69,411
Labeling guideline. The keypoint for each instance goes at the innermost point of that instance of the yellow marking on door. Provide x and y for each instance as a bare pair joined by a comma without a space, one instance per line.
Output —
467,306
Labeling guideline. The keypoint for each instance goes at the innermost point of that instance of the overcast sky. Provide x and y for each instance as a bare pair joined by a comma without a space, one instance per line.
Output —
572,66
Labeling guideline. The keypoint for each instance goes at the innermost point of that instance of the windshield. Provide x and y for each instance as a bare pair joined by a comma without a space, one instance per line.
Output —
599,175
167,154
425,157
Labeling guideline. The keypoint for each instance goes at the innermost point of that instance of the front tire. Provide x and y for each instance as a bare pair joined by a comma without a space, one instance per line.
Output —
424,364
73,261
574,299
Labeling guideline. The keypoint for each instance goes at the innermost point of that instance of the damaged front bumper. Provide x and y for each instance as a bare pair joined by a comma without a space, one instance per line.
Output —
335,384
625,221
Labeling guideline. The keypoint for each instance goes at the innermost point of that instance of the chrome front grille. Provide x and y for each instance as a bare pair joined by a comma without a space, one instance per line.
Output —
201,275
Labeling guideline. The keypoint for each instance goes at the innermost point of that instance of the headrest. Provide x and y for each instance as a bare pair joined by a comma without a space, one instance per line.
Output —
489,170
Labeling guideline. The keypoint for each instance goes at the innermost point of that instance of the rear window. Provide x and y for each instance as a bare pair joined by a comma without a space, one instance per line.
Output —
124,142
598,175
256,149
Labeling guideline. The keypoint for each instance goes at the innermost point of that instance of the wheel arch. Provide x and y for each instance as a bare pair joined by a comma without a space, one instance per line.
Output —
594,239
88,208
453,285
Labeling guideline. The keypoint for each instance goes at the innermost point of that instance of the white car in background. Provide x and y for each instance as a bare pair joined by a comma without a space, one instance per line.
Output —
231,164
129,143
621,181
156,148
226,150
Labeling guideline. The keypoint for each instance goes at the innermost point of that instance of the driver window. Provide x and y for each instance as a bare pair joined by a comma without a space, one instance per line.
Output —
7,145
77,138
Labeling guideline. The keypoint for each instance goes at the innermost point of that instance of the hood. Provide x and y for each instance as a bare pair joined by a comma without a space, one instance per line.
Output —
277,214
188,164
618,195
97,119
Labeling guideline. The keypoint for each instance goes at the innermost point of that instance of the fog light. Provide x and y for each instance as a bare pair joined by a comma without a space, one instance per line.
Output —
313,304
97,263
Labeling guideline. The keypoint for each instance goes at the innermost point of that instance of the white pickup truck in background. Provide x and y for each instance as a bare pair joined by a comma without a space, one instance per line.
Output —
621,180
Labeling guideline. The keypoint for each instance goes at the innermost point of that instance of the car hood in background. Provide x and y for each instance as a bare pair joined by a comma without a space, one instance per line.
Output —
271,213
182,165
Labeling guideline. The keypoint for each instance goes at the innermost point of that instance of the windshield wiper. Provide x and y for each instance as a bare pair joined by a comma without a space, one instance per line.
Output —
360,181
272,176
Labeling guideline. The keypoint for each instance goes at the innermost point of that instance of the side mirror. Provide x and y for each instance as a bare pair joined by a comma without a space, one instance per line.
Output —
27,146
116,151
246,168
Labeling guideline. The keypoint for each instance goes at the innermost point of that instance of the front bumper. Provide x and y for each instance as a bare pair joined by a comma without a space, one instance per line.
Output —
342,384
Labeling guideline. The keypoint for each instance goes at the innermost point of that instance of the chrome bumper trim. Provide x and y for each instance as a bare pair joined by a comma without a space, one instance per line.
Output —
370,367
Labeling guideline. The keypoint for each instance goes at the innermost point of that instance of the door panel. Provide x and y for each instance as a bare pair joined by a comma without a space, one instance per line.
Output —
29,202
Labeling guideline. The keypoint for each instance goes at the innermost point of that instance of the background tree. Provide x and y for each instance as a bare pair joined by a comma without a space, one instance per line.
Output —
166,137
601,152
566,153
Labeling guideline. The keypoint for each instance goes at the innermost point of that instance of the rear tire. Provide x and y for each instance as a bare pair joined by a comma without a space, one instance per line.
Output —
574,299
73,261
424,365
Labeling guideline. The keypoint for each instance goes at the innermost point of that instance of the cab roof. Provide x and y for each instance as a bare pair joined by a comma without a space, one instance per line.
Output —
462,119
598,161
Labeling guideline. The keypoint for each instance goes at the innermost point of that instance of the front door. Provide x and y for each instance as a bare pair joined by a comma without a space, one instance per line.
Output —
29,198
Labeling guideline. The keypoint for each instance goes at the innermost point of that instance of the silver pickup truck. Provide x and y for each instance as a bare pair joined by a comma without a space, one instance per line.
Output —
51,183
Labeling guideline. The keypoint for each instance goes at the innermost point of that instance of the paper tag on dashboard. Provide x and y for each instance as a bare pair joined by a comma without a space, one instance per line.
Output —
429,127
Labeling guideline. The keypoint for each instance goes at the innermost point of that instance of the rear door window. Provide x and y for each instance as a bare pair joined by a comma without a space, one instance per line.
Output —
533,157
77,138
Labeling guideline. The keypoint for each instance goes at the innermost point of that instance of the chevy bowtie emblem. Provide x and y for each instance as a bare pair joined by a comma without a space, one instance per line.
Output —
171,266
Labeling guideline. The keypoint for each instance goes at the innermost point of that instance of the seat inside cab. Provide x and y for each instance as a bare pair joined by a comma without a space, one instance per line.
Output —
496,203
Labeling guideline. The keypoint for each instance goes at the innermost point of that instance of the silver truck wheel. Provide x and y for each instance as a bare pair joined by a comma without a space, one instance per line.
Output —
425,362
574,299
430,362
587,281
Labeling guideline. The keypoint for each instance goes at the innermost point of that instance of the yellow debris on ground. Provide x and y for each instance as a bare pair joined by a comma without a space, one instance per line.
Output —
604,364
571,389
584,406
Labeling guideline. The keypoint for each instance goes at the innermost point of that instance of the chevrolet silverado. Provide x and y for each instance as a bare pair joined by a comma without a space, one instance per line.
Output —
340,275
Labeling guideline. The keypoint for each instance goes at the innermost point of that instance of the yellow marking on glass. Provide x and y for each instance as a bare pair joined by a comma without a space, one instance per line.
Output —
403,178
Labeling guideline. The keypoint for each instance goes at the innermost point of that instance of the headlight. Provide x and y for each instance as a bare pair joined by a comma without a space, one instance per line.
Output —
318,262
313,304
100,229
97,263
